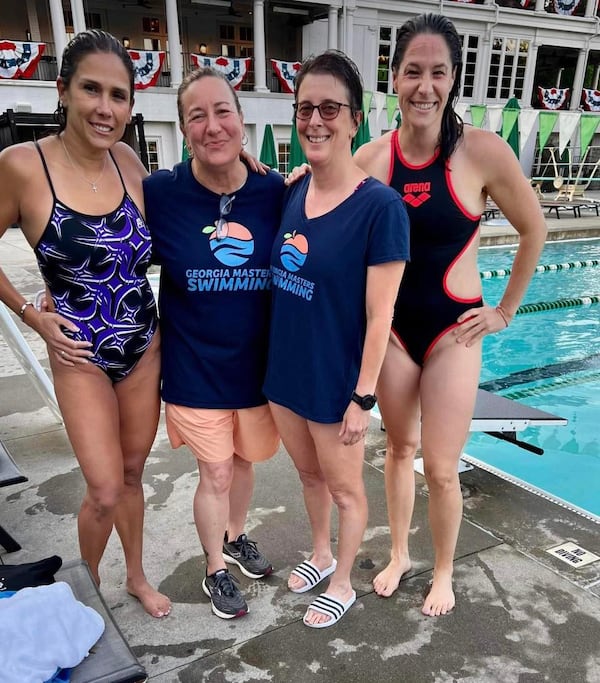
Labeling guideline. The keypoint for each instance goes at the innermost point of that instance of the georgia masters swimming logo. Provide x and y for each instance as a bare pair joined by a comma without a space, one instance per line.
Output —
292,254
234,248
293,251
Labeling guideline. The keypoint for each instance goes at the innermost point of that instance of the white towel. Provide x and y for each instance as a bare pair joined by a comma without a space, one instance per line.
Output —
43,629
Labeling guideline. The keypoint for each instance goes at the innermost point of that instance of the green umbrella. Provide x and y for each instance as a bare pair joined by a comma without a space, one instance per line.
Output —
268,153
363,134
510,124
296,154
185,155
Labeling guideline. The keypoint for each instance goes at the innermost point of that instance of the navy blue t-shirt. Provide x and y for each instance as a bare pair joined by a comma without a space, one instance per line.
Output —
319,268
215,297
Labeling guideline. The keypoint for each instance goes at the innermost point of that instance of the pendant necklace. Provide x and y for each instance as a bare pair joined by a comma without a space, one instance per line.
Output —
92,183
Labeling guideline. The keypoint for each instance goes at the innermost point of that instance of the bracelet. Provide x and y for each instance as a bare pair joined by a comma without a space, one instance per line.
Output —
503,314
22,309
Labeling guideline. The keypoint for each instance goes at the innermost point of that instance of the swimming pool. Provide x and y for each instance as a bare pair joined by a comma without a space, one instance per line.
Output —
549,359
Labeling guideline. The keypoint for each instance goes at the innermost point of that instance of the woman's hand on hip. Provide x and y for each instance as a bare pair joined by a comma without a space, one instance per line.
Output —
68,351
475,323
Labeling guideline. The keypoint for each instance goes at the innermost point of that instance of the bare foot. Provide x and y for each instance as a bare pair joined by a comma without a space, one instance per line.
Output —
441,596
388,580
156,604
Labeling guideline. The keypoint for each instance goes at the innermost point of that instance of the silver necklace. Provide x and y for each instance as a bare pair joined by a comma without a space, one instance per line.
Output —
92,183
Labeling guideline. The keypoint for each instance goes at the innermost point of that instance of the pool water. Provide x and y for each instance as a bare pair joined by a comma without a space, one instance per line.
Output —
549,360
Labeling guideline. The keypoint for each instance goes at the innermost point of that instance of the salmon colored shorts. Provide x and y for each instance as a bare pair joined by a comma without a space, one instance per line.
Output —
215,434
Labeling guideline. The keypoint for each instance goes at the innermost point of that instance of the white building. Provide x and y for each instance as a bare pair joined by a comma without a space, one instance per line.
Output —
510,48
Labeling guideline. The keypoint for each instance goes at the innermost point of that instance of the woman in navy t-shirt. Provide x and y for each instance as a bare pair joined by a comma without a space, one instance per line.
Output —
336,264
212,223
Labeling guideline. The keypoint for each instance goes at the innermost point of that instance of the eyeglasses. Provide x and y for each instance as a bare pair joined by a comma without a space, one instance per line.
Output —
225,204
327,110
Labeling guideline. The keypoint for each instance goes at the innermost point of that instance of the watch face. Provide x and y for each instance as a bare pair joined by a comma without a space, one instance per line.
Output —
368,402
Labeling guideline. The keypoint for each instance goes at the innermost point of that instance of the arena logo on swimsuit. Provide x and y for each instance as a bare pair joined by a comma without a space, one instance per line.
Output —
416,194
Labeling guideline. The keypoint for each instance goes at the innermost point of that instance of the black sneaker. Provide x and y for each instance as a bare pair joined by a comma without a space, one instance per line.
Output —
246,555
227,601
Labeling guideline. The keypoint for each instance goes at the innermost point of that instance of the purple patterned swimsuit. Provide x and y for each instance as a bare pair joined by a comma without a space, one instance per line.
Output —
95,268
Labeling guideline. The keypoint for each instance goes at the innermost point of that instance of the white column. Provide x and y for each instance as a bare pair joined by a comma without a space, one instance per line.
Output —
539,5
578,79
58,29
528,80
482,69
590,8
78,16
33,24
260,59
175,61
349,32
332,28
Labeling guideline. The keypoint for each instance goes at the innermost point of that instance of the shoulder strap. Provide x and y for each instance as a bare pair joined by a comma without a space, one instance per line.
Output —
39,149
118,170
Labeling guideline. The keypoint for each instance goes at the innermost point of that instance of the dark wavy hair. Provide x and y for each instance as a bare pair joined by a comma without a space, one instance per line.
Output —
436,24
83,44
342,68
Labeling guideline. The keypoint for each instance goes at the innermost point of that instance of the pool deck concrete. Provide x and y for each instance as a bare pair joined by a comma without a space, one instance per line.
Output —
522,615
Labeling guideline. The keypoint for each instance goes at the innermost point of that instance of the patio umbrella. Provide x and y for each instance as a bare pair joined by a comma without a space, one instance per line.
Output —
510,124
185,155
268,153
363,134
296,154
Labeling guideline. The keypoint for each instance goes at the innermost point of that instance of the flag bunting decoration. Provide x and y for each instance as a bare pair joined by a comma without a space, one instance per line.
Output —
478,114
590,99
391,103
147,66
546,122
565,7
234,68
587,127
553,98
286,73
18,59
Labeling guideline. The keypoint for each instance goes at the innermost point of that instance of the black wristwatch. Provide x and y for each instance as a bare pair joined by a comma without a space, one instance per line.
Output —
366,402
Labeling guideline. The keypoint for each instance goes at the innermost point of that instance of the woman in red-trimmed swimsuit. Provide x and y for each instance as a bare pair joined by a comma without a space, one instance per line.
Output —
429,379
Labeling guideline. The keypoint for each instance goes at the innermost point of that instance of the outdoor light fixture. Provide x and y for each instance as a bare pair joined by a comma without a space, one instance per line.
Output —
202,48
126,43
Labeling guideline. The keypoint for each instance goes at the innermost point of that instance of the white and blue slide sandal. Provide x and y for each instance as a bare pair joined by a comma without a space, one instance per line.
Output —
311,575
330,607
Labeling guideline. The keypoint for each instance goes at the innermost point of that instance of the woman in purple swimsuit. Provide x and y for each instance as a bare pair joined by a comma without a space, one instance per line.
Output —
78,199
428,383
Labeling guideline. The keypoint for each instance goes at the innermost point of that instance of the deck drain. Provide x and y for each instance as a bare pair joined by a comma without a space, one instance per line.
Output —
573,554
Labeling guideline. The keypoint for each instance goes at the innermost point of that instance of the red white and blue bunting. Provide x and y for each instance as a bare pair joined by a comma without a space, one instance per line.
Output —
566,7
147,67
553,98
590,99
19,60
286,72
234,68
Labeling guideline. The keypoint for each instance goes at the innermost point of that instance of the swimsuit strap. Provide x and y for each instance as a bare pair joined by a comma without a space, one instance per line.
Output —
118,171
39,149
